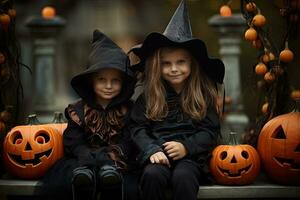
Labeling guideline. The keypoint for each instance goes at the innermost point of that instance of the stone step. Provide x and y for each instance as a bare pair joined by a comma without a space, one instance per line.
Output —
261,188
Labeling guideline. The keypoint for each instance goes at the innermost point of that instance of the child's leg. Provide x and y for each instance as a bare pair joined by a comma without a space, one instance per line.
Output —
185,180
154,181
83,183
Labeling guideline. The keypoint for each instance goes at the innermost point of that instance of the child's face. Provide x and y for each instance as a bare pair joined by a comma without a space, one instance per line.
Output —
175,67
107,84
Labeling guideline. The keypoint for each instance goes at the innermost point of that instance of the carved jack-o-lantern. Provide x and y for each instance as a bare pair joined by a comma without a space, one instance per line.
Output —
234,164
58,122
29,151
279,148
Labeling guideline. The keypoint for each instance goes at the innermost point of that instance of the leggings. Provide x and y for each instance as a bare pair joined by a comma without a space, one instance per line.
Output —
183,177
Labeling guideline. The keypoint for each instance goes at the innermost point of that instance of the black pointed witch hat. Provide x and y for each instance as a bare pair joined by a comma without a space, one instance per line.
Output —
179,33
105,54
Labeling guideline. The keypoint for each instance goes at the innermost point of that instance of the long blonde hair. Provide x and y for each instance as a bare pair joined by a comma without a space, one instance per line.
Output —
198,92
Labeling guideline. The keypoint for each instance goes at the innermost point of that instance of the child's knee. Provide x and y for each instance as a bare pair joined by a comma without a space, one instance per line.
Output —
155,172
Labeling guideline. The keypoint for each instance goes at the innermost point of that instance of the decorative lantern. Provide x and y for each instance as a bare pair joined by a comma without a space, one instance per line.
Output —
30,150
58,122
234,164
279,147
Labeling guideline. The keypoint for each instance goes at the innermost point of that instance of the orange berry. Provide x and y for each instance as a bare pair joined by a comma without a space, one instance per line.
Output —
269,77
2,126
48,12
267,57
295,94
12,13
228,100
251,34
225,11
259,20
286,55
278,70
260,84
2,58
257,44
261,69
265,108
5,116
4,21
251,7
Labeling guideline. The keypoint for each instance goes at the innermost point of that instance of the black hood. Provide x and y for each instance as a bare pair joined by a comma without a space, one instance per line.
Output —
105,54
178,33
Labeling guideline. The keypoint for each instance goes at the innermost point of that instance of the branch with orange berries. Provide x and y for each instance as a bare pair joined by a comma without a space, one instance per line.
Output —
272,60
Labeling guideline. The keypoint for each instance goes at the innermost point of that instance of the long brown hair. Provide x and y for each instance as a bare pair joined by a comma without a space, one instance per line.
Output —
198,92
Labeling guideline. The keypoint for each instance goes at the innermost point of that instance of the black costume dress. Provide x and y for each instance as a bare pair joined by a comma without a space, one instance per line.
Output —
95,136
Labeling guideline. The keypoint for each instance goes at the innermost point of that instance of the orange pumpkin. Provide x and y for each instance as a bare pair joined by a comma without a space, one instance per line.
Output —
58,123
234,164
279,148
30,150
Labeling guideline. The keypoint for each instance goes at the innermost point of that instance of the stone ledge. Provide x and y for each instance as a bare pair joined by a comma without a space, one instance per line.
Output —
262,188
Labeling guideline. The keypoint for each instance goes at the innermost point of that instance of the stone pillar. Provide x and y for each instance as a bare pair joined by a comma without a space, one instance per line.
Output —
230,30
44,32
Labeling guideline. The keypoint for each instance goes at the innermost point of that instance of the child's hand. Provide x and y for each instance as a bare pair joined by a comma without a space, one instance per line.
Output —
175,150
160,158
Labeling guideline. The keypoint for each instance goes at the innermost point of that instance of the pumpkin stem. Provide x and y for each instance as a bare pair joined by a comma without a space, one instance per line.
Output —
58,118
233,138
297,105
33,120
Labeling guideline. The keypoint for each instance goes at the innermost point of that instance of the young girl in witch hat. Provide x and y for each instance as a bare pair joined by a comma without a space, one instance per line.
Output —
175,122
96,141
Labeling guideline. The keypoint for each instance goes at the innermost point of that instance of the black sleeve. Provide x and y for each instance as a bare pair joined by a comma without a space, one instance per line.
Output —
75,143
141,132
206,136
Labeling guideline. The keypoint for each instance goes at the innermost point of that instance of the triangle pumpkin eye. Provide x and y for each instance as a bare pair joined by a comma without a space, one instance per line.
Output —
279,134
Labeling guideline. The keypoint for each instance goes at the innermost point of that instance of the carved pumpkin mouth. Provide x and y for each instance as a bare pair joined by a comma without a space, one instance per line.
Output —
287,162
37,160
240,171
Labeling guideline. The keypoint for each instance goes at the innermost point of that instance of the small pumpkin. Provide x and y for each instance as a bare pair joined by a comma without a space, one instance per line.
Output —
30,150
234,164
279,147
